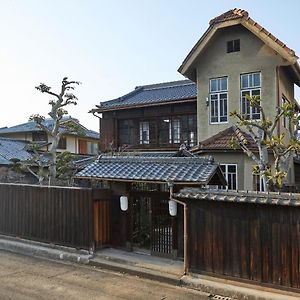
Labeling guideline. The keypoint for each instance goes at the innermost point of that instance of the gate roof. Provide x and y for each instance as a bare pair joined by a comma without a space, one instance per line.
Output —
178,170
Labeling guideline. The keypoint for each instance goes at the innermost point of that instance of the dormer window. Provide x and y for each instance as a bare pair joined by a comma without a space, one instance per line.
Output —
233,46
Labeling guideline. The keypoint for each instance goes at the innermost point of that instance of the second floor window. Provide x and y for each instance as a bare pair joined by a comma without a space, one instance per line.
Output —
144,133
285,119
174,131
250,86
39,136
218,99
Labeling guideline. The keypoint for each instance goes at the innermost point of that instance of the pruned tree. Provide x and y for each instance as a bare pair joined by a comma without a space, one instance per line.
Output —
275,151
37,165
58,110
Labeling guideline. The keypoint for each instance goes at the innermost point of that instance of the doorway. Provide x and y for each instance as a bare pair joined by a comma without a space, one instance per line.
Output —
154,231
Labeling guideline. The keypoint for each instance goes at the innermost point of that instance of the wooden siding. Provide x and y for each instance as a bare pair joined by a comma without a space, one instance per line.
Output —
112,130
248,241
47,214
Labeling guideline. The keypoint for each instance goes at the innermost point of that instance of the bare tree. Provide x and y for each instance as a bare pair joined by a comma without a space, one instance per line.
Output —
58,104
275,151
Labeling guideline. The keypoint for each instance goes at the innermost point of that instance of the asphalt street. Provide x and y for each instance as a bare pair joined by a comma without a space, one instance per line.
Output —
23,277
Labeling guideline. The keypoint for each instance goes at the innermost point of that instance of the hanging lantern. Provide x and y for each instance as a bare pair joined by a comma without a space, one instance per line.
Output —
124,203
172,208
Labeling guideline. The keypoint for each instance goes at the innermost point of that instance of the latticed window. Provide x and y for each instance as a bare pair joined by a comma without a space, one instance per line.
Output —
144,133
218,88
174,131
250,86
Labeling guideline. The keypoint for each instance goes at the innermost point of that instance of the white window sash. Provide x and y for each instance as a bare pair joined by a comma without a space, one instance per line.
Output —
247,104
216,105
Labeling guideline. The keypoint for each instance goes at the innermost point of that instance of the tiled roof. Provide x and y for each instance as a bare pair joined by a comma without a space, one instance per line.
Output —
221,141
152,94
10,148
237,13
231,14
242,17
160,169
31,126
285,199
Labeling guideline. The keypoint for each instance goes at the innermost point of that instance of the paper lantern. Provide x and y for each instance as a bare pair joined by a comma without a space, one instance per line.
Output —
124,203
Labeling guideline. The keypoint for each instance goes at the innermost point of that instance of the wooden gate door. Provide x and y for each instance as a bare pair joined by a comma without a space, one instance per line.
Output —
162,227
101,223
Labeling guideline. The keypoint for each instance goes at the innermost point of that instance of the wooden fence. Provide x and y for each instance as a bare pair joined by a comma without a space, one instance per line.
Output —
246,241
57,215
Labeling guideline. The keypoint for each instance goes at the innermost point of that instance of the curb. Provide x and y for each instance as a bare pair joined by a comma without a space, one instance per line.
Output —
38,249
226,289
136,271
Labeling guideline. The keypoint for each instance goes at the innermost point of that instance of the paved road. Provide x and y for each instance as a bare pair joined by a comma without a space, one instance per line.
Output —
23,277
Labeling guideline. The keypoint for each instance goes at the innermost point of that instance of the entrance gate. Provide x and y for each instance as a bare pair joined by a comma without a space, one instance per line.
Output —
152,225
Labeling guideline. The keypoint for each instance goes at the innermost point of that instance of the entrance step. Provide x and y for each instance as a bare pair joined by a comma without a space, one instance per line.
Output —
143,265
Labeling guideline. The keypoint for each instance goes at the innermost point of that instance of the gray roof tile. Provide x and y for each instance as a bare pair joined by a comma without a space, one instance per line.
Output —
154,93
285,199
10,148
31,126
163,169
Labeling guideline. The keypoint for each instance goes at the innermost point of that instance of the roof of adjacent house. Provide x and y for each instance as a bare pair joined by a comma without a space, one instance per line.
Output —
10,148
221,141
234,17
154,94
31,126
285,199
188,170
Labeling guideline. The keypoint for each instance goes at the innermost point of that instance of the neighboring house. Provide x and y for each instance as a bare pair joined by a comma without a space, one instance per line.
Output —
236,57
14,150
85,143
156,117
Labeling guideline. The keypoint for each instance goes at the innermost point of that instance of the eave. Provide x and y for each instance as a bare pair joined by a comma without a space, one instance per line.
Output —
169,102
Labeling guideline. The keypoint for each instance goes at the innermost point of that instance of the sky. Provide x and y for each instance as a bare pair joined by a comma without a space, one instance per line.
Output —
111,46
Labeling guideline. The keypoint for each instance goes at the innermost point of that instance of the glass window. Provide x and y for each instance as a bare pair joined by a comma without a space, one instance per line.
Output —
250,86
233,46
62,144
284,118
39,136
144,132
230,173
174,131
218,100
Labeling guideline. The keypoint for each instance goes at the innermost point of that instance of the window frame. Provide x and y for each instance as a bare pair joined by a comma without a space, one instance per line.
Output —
250,90
216,103
144,127
234,44
226,175
285,119
62,144
174,130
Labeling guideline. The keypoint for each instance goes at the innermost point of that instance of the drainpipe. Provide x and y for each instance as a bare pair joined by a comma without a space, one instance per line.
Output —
100,119
185,229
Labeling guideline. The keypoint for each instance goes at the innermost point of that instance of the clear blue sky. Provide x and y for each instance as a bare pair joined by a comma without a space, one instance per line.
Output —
111,46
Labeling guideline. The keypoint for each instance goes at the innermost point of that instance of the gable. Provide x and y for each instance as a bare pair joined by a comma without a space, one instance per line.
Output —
252,56
231,19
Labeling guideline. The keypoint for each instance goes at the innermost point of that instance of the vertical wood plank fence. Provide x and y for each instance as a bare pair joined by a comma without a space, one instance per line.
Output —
58,215
246,241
